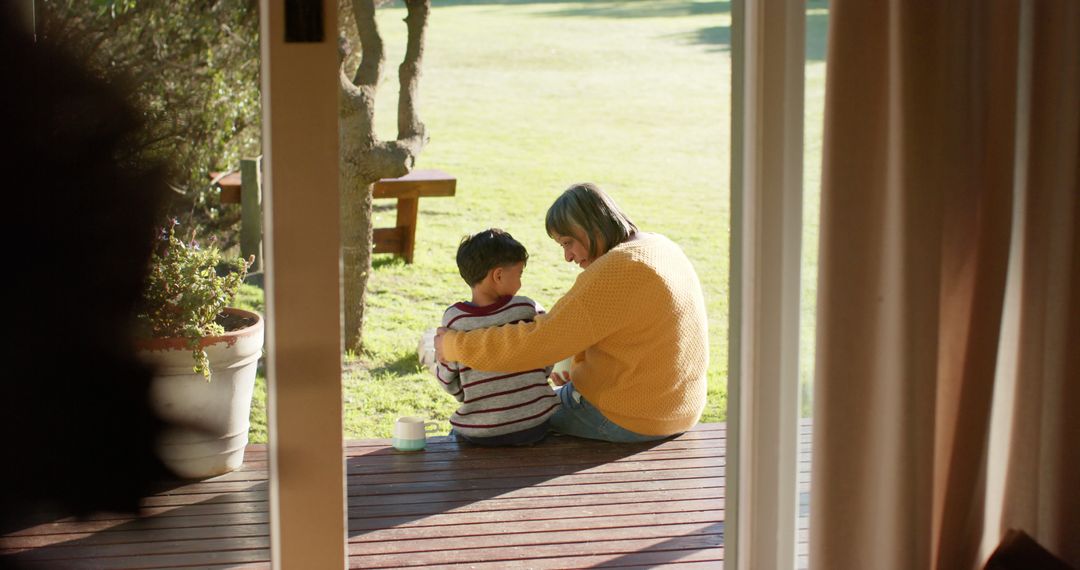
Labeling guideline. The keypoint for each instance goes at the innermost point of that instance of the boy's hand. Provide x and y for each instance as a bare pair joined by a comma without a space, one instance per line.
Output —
560,378
560,372
438,344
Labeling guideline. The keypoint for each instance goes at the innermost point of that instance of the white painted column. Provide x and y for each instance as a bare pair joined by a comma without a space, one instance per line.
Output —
768,52
303,287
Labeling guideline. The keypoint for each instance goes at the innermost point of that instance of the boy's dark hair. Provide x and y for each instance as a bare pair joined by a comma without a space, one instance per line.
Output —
486,250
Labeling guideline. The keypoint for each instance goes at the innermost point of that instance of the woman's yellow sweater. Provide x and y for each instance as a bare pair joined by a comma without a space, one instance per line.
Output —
635,322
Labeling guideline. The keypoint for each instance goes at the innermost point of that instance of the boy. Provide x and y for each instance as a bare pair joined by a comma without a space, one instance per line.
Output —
497,408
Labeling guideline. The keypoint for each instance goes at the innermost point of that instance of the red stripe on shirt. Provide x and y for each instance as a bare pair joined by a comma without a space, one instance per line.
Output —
506,308
522,389
483,310
522,405
439,376
503,377
533,417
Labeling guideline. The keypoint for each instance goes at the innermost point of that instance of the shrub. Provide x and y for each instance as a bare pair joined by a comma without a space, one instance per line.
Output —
186,290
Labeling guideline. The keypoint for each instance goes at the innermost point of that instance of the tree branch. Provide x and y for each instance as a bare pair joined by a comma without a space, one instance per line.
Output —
371,44
349,91
385,159
409,125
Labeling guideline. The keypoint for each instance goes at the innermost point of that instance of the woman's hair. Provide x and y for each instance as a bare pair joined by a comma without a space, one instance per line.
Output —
586,206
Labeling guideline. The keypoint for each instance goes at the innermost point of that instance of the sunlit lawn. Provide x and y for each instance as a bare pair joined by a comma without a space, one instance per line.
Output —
521,99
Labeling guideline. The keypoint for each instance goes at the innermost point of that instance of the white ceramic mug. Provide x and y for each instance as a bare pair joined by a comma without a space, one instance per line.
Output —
410,433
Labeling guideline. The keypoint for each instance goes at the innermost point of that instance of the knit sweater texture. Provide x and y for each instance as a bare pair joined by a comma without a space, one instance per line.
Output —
636,325
496,403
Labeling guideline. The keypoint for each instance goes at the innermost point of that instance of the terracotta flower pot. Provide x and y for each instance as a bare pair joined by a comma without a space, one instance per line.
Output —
210,418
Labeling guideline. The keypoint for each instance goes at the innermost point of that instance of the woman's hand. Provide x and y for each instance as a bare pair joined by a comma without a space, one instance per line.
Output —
560,378
438,344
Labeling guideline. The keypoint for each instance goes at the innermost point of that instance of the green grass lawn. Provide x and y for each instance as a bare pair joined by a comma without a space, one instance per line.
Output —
521,99
817,20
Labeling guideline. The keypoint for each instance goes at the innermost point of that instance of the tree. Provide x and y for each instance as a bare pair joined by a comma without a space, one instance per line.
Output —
194,70
191,68
364,158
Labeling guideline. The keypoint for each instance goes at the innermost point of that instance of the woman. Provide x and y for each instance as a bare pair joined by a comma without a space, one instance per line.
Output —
634,322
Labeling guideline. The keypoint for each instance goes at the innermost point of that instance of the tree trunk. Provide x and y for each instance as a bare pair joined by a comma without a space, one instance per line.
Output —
365,159
356,248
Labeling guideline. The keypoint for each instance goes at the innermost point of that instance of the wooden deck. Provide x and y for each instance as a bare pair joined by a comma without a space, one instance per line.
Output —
566,503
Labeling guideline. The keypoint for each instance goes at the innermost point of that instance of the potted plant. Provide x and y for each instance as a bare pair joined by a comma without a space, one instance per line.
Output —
205,355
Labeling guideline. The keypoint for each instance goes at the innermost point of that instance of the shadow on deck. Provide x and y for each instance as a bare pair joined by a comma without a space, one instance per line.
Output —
564,503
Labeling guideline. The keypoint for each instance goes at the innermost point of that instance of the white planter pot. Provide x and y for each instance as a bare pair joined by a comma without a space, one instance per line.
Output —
210,420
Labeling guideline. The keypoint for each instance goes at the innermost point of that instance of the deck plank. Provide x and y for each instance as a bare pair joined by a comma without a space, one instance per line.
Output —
564,503
555,553
508,532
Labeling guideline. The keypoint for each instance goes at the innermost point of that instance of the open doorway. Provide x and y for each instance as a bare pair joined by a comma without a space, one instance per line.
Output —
631,95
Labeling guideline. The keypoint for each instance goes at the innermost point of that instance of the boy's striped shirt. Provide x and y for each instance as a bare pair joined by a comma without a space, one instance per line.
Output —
496,402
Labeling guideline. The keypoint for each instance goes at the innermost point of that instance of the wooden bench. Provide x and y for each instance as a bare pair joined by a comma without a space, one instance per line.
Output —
230,184
401,239
244,187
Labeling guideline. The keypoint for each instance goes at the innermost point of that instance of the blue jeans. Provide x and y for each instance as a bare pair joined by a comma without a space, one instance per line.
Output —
579,418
